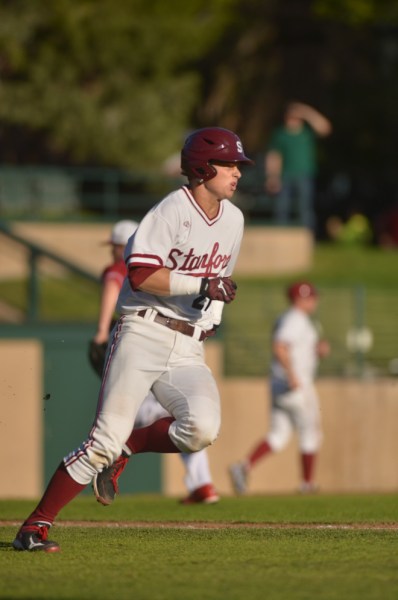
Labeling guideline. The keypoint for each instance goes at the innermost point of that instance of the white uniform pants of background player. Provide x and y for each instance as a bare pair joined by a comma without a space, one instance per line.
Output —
146,355
296,409
197,470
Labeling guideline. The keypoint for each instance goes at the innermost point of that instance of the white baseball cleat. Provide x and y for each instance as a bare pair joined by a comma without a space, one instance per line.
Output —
238,475
307,487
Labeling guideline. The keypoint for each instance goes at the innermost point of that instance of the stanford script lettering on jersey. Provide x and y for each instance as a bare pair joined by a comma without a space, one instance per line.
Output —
206,264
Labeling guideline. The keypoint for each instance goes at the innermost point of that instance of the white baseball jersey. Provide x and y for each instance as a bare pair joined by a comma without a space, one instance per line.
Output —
297,408
296,329
177,234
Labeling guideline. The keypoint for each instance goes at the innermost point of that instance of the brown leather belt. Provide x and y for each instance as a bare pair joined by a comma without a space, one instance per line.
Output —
175,324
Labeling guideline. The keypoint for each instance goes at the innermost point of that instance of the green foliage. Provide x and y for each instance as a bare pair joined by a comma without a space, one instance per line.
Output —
358,12
120,82
192,563
99,78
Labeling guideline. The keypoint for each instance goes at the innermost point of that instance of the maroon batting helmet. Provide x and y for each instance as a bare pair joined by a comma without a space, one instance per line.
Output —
207,145
301,289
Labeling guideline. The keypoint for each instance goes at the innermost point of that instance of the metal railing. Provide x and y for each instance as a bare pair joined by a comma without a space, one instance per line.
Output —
40,193
35,253
81,193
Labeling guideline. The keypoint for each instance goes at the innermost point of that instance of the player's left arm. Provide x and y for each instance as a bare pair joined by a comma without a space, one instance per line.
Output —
109,296
164,282
154,280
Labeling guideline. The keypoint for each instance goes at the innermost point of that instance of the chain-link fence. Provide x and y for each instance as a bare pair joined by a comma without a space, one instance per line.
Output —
360,323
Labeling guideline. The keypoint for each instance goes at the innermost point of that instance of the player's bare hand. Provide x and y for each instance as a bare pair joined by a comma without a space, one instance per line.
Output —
323,348
219,288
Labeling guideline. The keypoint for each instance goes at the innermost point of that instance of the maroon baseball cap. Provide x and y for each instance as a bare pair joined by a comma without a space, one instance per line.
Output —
301,289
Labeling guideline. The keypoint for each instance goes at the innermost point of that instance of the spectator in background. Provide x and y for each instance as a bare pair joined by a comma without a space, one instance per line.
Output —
197,472
290,162
296,348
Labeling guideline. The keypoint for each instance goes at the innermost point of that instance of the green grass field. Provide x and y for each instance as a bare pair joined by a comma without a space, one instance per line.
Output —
152,548
254,548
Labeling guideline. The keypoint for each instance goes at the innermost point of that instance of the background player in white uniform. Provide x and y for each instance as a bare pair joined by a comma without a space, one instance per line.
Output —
180,262
197,476
296,348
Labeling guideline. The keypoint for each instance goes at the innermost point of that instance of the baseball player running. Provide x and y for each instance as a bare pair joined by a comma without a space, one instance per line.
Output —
296,348
197,476
180,262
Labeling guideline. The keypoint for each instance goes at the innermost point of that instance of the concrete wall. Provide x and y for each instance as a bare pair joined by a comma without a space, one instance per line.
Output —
49,398
265,250
360,421
21,430
359,451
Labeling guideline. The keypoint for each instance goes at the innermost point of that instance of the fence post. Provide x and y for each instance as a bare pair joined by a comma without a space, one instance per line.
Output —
359,301
111,196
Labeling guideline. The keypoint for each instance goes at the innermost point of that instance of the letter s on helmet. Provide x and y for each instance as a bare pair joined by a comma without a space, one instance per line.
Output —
210,144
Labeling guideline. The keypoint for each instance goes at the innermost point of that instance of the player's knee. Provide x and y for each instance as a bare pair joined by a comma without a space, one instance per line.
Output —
278,441
311,445
200,440
101,457
207,430
194,436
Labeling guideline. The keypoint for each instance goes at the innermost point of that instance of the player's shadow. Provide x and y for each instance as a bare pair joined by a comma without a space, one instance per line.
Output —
5,545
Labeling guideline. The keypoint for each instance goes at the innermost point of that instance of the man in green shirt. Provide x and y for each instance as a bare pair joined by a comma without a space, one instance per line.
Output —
290,162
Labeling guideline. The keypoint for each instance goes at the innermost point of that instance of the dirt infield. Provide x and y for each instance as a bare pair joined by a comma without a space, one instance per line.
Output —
218,525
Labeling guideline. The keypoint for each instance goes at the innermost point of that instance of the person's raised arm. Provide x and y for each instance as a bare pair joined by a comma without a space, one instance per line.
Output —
316,120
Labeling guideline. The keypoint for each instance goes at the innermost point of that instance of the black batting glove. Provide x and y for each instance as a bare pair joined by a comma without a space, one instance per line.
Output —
219,288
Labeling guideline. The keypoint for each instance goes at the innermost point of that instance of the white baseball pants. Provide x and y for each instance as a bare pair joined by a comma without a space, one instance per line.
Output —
296,410
143,355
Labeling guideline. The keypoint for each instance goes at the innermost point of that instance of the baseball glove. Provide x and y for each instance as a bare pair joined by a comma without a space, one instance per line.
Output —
96,356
